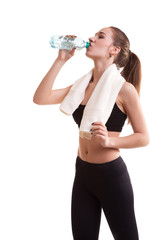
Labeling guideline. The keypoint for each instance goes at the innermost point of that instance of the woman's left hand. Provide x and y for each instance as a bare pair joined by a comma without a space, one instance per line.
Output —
100,133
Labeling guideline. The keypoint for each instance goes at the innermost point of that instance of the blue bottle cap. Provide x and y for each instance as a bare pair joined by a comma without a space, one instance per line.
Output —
87,44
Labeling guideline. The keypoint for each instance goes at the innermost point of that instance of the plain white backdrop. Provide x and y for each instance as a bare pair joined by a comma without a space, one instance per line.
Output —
39,143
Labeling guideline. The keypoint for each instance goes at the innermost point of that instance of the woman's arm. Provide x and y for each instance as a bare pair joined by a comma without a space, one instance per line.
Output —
44,93
132,106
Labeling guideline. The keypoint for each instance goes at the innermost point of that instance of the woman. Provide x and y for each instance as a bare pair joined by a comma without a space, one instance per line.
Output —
102,180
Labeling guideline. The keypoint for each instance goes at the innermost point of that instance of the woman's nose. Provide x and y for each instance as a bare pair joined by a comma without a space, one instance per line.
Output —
91,39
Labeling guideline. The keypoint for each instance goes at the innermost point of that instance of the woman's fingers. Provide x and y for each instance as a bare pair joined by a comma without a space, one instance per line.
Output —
100,132
99,128
71,36
73,51
98,125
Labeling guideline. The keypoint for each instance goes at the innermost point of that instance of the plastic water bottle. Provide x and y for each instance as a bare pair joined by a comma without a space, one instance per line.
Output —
63,42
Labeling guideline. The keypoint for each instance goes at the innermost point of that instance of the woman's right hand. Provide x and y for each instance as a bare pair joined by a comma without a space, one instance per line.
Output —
66,54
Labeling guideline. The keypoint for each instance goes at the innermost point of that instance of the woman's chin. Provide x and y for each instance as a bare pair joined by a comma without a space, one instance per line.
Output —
89,55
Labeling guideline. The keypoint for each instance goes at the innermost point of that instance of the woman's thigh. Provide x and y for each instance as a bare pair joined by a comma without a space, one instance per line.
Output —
85,213
118,207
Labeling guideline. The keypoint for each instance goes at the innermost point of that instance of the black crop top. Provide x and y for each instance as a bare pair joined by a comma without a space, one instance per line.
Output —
115,122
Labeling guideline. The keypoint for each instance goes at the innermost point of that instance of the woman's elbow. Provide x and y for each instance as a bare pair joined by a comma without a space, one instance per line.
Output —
145,140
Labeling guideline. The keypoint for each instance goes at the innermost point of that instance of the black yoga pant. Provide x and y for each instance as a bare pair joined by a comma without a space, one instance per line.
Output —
104,186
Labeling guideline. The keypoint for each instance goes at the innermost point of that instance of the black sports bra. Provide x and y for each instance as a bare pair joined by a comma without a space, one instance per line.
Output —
115,122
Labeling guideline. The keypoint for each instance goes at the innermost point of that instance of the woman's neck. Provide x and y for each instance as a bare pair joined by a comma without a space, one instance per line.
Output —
99,68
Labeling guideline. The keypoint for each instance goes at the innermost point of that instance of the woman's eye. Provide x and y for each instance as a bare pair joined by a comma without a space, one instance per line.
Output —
100,36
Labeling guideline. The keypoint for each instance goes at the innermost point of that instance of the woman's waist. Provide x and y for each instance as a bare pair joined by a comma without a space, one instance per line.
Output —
92,152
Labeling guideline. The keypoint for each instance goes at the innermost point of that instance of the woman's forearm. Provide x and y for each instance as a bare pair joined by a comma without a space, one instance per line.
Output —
134,140
46,84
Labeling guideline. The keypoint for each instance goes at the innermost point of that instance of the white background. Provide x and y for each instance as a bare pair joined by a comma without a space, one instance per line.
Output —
39,143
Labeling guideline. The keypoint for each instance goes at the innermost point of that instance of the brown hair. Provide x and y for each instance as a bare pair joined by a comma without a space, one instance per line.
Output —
127,59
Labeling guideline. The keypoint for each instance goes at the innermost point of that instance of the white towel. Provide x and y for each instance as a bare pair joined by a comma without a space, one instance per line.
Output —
100,103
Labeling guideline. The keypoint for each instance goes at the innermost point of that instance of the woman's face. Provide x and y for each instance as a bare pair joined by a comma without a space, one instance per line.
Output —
101,44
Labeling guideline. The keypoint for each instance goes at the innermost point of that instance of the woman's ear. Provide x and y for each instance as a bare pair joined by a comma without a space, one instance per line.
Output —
115,50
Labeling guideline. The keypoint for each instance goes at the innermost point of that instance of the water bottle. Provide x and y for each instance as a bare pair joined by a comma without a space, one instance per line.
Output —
64,42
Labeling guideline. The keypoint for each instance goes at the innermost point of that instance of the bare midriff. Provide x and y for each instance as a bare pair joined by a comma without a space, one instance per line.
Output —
91,151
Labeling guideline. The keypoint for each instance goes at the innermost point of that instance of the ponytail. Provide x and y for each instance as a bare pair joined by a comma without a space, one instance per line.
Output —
132,71
126,59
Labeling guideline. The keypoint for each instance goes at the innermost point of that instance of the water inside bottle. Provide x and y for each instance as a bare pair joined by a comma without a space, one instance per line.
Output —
67,43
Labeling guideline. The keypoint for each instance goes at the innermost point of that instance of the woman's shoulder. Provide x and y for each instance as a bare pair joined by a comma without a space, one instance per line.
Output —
128,94
127,89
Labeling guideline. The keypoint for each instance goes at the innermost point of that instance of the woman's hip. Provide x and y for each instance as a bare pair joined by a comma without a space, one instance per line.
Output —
103,179
99,172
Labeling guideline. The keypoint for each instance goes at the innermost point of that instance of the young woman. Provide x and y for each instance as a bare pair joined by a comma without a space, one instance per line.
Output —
102,180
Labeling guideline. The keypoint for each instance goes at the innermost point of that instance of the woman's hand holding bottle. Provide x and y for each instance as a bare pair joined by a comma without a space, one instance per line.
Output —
66,54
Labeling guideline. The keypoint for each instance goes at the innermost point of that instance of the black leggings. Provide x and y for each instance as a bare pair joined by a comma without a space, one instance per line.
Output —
104,186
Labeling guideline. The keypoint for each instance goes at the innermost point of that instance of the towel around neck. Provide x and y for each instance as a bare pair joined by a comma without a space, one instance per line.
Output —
101,101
